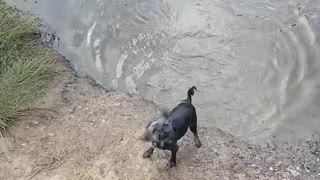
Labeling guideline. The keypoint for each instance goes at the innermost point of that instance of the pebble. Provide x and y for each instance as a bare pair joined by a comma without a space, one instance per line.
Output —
35,122
51,134
318,159
293,172
116,105
271,168
242,176
253,165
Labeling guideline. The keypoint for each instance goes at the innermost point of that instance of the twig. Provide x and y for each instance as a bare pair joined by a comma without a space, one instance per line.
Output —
2,162
65,147
40,109
35,173
56,159
51,150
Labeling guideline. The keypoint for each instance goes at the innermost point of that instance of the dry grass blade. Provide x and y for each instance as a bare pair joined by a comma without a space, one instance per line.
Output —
55,159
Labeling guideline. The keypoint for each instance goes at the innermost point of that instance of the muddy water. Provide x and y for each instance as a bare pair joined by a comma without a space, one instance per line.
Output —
255,63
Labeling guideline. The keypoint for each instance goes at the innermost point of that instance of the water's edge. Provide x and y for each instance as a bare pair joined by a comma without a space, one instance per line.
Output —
255,64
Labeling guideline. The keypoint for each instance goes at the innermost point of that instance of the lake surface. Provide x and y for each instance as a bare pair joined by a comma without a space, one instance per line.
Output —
256,63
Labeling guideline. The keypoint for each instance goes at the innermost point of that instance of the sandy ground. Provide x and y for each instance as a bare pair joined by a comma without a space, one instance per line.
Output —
82,131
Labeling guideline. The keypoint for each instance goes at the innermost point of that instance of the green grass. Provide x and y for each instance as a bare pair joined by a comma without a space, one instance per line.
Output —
26,65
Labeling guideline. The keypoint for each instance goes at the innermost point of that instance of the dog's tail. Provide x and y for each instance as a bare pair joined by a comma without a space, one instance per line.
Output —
191,93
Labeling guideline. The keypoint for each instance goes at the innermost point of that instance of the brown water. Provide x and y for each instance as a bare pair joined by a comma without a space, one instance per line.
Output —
255,63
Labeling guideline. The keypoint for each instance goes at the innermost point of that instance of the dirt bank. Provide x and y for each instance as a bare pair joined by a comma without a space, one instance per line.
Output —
82,131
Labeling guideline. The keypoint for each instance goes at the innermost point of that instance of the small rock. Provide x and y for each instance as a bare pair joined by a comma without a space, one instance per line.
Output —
241,176
23,144
116,105
35,122
271,168
318,159
293,172
51,134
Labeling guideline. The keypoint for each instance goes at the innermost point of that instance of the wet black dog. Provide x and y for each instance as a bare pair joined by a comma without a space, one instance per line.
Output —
165,131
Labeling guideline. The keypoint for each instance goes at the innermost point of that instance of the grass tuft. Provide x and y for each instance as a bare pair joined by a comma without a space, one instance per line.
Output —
26,65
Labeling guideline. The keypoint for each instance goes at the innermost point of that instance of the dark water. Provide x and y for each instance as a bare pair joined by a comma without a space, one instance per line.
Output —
255,62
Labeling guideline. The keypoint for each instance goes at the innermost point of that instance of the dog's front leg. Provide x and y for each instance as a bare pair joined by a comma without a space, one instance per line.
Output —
148,152
174,149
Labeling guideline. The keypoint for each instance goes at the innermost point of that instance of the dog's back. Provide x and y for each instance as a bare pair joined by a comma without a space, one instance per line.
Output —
182,115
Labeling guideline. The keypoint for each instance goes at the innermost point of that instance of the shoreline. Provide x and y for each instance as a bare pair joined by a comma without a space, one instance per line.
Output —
90,132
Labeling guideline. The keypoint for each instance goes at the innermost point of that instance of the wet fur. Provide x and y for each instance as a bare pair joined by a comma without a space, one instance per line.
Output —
165,131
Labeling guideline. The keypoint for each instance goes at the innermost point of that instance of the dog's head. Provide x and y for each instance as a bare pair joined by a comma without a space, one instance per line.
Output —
159,131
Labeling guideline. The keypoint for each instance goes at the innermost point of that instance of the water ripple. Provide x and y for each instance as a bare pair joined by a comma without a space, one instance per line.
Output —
255,63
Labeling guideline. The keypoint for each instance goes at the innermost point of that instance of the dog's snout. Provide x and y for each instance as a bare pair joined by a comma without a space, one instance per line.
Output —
162,135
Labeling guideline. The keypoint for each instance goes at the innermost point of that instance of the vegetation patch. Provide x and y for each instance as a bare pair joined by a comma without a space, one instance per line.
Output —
26,63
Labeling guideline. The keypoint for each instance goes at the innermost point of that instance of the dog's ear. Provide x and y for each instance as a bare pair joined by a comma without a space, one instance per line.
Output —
152,126
147,136
165,113
149,123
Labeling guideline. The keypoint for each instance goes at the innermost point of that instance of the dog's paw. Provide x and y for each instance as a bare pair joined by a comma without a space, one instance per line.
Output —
147,153
197,142
171,165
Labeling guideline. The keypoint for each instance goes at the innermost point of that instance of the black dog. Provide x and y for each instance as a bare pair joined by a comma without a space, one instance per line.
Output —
165,131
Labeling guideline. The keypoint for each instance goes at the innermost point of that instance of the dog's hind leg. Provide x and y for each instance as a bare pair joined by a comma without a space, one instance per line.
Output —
193,128
148,152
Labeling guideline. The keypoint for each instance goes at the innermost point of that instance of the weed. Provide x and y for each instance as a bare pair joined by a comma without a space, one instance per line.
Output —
26,64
